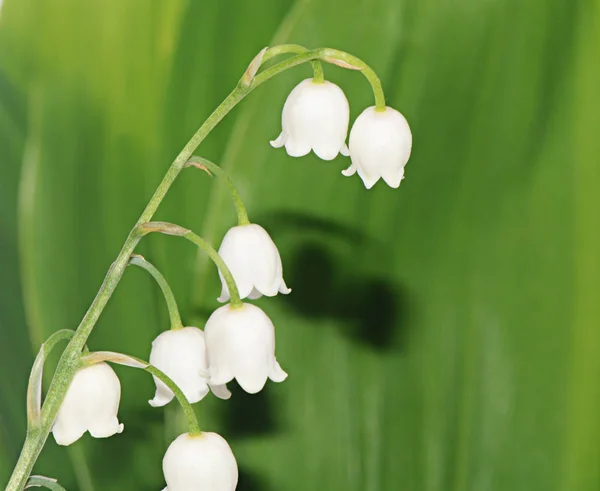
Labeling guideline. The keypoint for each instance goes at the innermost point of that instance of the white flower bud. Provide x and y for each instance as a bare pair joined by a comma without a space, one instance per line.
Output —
91,404
240,343
380,144
181,355
202,461
254,261
315,116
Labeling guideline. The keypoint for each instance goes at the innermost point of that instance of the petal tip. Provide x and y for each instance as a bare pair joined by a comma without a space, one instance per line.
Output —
278,142
369,182
252,385
277,374
157,402
350,171
221,391
394,181
326,155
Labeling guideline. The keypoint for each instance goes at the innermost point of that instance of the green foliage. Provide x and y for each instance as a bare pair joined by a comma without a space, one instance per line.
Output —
443,336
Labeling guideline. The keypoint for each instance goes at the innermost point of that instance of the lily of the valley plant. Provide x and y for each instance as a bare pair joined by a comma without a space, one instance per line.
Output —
238,341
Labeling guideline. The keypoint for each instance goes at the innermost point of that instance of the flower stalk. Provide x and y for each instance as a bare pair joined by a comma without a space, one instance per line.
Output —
284,49
140,261
218,260
211,168
70,359
172,229
134,362
335,57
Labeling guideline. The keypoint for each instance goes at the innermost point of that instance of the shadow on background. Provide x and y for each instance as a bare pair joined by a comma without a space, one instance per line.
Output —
373,310
251,482
248,415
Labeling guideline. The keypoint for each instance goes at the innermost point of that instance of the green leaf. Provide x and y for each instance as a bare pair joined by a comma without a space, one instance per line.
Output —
44,482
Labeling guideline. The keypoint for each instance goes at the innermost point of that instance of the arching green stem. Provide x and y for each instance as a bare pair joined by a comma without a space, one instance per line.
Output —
137,260
34,388
172,229
283,49
188,410
134,362
207,165
329,55
69,360
234,293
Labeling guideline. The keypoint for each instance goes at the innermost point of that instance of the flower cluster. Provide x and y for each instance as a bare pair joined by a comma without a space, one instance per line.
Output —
316,116
238,342
238,339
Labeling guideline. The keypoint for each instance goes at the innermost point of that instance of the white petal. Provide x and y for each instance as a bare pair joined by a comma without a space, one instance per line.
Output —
380,145
224,291
252,344
91,403
283,288
163,395
200,462
326,152
104,429
254,261
393,177
369,180
251,381
315,115
180,354
296,148
277,374
241,344
221,391
242,279
65,433
279,142
220,375
350,171
254,294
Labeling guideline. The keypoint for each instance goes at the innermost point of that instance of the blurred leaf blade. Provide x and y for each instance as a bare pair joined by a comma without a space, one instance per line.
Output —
439,337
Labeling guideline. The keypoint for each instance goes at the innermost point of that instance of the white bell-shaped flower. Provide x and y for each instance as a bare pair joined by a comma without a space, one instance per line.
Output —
380,144
254,261
181,354
202,461
315,116
240,343
91,404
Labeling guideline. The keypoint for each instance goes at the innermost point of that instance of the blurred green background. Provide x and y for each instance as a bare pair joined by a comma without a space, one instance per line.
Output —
442,336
